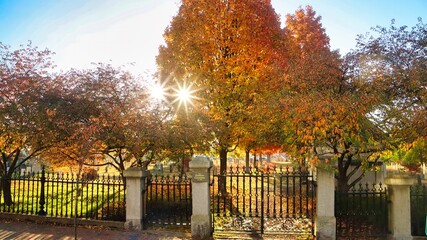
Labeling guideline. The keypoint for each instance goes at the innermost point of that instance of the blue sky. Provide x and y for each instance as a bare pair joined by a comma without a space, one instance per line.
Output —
130,31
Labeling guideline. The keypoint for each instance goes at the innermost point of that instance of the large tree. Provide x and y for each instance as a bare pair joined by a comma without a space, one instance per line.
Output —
115,123
29,123
350,110
392,62
325,109
229,51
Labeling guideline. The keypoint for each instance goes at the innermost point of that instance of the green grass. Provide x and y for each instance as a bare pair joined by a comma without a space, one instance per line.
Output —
100,199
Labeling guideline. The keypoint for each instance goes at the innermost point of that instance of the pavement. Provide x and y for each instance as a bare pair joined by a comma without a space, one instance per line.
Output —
32,230
24,230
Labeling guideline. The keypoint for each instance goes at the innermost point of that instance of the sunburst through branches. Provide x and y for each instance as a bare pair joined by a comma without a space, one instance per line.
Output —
184,95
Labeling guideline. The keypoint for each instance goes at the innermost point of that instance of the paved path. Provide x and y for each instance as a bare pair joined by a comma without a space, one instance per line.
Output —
12,229
25,230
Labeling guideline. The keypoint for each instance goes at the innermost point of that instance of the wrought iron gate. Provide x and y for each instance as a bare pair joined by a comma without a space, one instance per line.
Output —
168,201
419,210
274,200
362,212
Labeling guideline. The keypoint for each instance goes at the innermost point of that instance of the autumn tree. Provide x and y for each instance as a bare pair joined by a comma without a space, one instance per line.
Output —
228,51
114,122
392,62
324,109
395,59
262,131
409,155
28,117
311,69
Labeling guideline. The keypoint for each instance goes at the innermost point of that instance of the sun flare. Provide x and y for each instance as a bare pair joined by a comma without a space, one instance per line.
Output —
158,92
184,95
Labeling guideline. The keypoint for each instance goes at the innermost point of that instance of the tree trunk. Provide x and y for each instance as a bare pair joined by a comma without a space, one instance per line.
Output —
342,179
343,176
182,172
342,184
222,170
255,163
247,155
5,187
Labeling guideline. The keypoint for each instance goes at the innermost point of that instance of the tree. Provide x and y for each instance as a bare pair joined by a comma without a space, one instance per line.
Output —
393,61
27,111
74,116
311,65
416,154
114,122
323,107
228,51
353,109
311,69
185,137
263,132
409,155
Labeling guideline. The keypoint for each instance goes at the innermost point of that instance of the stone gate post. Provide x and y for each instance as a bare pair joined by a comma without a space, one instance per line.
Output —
201,219
135,197
325,225
400,208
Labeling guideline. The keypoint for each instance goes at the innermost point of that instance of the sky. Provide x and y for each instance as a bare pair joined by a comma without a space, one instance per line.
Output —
125,32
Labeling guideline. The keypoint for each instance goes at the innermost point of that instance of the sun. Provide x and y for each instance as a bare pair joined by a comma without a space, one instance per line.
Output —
157,92
184,95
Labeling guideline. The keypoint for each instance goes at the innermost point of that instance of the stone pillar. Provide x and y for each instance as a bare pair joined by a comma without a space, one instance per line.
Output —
201,219
400,207
135,197
325,225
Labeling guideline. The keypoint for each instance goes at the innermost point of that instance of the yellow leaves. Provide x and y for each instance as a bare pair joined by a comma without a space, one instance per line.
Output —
307,138
319,123
336,131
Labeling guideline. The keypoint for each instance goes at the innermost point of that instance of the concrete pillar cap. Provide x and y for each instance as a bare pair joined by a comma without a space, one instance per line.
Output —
200,162
400,179
135,172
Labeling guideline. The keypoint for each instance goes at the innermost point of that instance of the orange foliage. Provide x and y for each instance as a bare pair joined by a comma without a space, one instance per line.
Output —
230,50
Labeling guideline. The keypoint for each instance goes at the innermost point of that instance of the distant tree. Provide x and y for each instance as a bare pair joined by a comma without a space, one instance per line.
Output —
416,154
263,130
409,155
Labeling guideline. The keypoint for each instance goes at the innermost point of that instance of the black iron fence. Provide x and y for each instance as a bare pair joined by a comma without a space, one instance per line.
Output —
418,210
65,195
271,200
362,212
168,201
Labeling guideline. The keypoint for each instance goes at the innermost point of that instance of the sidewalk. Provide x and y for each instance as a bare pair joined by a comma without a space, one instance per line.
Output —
17,230
27,230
